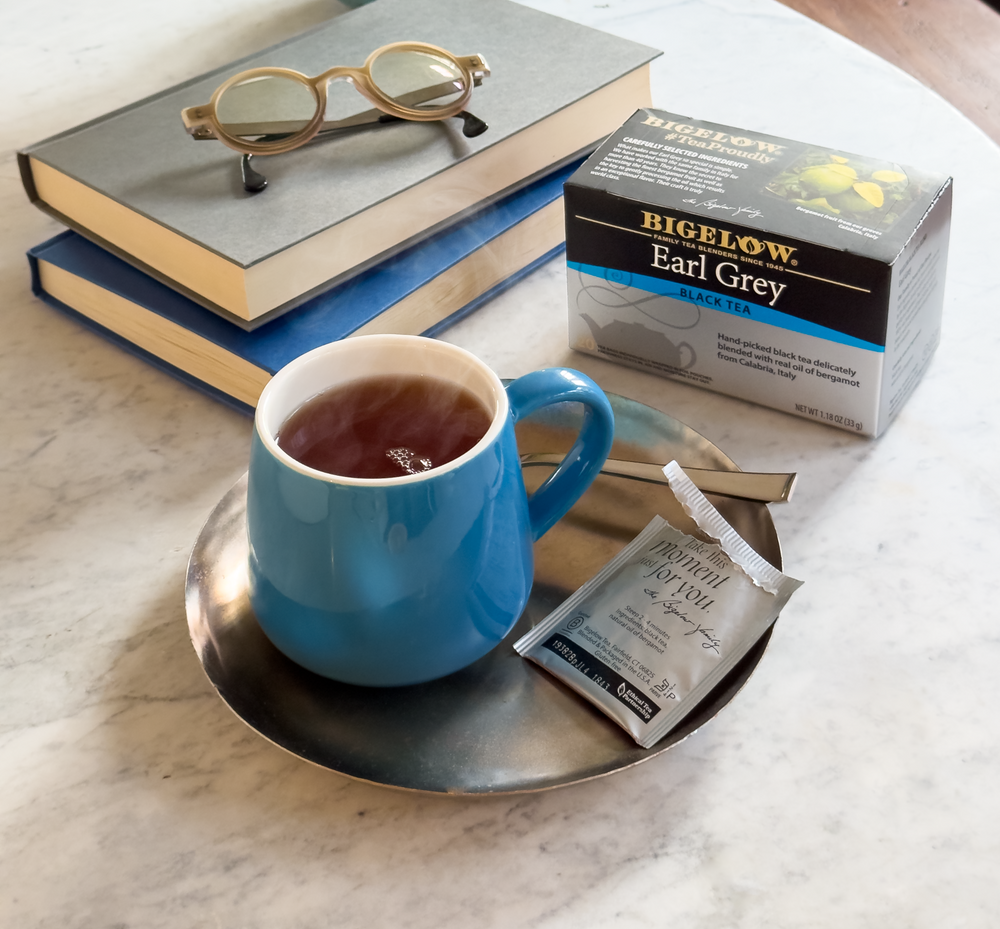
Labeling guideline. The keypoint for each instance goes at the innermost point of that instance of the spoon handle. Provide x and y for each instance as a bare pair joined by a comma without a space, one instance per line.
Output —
748,485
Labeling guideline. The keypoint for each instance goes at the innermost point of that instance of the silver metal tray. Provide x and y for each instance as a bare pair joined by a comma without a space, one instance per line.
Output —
502,725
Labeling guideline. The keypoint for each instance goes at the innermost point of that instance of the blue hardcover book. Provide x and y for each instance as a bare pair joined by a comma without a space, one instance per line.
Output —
419,291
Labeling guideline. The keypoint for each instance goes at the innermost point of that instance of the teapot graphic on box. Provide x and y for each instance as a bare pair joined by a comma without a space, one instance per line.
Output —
644,343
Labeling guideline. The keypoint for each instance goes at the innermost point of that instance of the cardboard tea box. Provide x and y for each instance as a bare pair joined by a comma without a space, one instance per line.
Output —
800,277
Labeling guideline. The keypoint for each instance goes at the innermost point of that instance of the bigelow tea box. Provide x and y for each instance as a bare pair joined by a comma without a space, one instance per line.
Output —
799,277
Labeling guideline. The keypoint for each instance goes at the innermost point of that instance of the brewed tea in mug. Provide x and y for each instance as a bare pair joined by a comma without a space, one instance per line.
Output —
385,426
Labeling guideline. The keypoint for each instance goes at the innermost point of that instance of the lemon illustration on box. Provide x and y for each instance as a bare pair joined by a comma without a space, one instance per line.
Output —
836,185
795,276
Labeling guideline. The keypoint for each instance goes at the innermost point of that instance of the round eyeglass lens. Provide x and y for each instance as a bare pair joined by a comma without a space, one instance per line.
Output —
418,80
266,106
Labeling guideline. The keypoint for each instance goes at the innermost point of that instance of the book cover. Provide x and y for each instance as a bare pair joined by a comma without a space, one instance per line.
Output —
421,290
136,183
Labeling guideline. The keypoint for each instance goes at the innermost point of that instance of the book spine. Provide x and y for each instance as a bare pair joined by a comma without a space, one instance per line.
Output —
219,394
131,347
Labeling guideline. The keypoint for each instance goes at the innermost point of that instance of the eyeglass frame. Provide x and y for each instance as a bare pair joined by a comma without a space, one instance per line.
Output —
202,122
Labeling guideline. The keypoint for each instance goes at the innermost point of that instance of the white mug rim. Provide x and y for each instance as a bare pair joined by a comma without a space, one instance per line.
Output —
353,345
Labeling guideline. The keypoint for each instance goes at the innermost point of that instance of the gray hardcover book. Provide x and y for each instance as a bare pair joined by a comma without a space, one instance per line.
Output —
136,183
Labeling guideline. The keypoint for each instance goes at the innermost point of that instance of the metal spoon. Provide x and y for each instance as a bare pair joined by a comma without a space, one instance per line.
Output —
747,485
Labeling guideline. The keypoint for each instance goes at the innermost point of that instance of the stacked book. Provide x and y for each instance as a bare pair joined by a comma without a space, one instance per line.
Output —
405,227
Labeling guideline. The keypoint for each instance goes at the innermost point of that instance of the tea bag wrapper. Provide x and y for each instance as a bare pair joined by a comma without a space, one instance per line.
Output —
664,621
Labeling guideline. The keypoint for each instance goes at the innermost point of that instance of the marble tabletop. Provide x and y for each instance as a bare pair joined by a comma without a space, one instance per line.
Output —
852,783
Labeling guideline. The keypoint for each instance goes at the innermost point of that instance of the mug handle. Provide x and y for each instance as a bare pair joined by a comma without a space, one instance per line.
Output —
548,504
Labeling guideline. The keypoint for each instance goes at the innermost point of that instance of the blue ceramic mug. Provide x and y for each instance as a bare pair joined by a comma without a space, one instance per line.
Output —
399,580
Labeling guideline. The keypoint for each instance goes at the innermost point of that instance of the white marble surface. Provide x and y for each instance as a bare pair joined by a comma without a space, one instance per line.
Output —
851,784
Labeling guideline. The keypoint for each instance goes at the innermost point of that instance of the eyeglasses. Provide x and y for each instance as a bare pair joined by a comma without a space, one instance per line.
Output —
267,111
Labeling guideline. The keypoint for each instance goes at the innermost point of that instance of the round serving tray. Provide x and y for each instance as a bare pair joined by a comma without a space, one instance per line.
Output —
502,725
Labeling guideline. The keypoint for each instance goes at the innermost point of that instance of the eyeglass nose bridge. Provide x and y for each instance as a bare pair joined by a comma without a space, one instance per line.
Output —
356,77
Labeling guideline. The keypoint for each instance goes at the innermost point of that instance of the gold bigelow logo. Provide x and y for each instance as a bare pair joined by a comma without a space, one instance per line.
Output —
713,235
713,140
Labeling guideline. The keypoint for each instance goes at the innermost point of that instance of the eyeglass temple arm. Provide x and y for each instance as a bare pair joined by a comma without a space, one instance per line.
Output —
411,99
254,182
278,128
473,125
